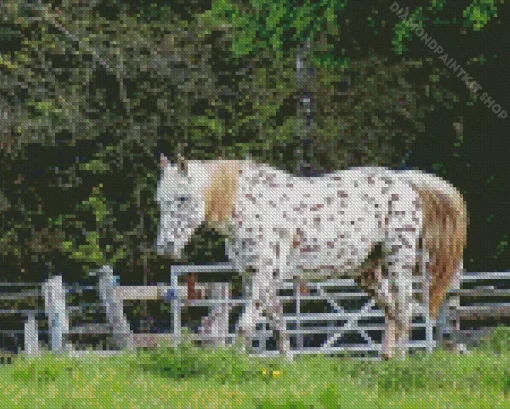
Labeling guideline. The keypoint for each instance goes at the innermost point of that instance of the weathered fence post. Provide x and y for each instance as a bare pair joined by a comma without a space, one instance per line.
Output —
447,321
426,279
31,335
55,302
122,335
219,325
442,321
176,308
299,335
454,304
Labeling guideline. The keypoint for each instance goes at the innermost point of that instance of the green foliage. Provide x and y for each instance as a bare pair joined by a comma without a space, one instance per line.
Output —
398,377
95,166
44,369
502,246
279,26
437,4
200,376
286,401
497,342
404,29
479,13
92,252
92,93
224,365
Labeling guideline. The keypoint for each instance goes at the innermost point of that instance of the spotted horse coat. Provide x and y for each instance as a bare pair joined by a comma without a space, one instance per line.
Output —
364,222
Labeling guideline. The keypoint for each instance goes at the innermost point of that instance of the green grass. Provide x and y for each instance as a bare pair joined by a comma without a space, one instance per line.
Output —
190,377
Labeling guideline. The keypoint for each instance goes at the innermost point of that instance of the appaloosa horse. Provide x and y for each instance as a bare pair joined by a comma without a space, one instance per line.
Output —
370,223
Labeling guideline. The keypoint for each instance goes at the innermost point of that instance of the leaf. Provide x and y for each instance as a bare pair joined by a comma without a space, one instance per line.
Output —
95,166
67,245
244,42
277,13
479,13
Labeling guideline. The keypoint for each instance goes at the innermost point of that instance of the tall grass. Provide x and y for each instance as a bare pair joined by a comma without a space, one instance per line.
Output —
190,377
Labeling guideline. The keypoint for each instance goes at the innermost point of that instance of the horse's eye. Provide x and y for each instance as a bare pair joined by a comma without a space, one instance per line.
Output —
182,199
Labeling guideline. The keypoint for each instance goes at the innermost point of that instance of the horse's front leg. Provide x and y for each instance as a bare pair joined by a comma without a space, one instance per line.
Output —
265,297
247,323
276,257
270,269
275,313
388,346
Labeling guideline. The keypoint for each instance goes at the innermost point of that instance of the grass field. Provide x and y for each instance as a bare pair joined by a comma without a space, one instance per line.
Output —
190,377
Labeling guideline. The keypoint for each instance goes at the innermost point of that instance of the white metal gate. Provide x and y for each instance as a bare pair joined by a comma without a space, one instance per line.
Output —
349,322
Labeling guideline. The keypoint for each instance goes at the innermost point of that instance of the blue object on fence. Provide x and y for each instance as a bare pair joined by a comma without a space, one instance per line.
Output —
116,280
171,295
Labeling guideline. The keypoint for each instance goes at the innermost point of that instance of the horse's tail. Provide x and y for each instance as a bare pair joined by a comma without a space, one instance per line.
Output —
444,231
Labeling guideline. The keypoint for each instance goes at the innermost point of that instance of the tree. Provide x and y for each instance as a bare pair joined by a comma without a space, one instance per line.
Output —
79,109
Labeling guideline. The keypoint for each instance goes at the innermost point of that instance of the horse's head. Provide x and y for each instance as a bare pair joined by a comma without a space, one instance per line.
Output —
181,207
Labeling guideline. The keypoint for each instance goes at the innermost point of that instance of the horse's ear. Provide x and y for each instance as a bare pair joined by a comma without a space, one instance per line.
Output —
182,164
163,161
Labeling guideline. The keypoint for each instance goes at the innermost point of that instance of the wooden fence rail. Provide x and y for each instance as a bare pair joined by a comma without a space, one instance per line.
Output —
466,316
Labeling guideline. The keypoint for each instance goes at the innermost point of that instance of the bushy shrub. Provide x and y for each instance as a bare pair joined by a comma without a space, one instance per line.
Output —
285,402
225,365
399,376
497,342
42,369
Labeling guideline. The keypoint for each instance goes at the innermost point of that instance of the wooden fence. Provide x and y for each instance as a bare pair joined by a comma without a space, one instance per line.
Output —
20,321
346,311
335,317
475,307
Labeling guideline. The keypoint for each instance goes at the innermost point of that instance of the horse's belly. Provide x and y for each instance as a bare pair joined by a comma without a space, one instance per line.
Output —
328,261
331,231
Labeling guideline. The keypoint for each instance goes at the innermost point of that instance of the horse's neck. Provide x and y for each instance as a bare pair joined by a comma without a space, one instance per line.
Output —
199,174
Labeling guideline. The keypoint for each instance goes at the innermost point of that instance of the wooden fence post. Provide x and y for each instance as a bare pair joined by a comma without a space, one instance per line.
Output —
447,321
55,302
31,335
454,304
297,293
426,279
442,321
219,326
176,308
122,335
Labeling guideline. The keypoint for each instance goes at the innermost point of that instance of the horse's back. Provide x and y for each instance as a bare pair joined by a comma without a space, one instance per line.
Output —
339,217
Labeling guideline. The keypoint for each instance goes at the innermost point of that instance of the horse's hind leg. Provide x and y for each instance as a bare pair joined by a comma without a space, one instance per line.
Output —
401,246
401,281
388,346
386,300
373,281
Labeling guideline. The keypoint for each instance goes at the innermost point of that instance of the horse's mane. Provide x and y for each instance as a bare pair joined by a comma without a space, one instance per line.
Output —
220,194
